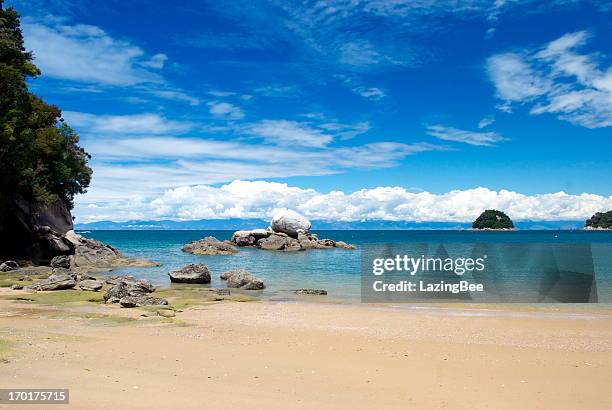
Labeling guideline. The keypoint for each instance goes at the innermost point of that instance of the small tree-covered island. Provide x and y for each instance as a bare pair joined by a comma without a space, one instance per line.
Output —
493,219
601,220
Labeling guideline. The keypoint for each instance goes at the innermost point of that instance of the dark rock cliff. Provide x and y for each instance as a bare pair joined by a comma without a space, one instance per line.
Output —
35,232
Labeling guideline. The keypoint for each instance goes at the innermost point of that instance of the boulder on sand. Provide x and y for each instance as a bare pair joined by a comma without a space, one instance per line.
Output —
210,246
193,273
60,279
128,287
142,300
91,284
290,222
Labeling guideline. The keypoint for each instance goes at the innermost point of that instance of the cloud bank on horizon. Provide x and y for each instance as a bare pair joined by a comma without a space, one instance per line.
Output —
260,199
330,97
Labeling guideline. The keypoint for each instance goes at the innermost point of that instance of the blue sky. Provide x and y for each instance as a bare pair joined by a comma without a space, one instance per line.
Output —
410,110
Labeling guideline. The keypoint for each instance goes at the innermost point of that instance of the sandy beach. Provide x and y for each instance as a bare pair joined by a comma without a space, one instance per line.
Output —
267,354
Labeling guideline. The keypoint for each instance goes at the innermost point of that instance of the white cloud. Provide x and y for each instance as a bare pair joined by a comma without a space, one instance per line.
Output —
467,137
556,79
486,121
124,124
371,93
88,54
260,199
157,61
225,110
515,79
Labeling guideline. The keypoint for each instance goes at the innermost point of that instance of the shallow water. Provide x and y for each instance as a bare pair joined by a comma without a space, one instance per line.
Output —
336,270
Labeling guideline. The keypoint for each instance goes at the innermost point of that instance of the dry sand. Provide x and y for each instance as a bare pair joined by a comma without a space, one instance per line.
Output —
285,355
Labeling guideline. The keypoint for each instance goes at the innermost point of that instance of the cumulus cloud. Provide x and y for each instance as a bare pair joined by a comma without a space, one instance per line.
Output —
260,199
467,137
87,53
556,79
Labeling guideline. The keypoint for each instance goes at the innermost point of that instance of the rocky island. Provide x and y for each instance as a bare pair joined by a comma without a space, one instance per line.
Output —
288,231
492,219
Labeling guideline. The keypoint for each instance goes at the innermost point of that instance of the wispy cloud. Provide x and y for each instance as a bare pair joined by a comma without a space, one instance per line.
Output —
125,124
87,53
467,137
289,132
278,90
556,79
486,121
226,41
175,95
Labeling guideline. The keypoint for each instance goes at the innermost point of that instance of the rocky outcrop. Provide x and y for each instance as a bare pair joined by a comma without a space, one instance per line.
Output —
278,241
35,232
210,246
242,279
193,273
8,266
91,255
289,231
290,223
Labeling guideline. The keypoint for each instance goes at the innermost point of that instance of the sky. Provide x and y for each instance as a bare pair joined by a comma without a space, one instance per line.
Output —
422,110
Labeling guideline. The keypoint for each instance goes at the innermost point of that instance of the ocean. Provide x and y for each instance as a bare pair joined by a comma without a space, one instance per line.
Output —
339,271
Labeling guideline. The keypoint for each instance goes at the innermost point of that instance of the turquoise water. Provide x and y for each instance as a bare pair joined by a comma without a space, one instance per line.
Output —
336,270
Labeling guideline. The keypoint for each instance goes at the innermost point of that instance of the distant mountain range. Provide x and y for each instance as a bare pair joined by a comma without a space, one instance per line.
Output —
235,224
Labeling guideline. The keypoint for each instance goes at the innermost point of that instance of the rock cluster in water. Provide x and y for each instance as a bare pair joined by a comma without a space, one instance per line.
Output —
242,279
193,273
289,231
210,246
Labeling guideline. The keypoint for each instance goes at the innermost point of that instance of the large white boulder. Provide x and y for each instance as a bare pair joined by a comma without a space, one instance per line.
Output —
290,222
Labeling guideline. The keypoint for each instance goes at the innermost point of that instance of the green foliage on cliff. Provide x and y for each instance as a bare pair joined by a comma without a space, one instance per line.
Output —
602,220
40,159
493,219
